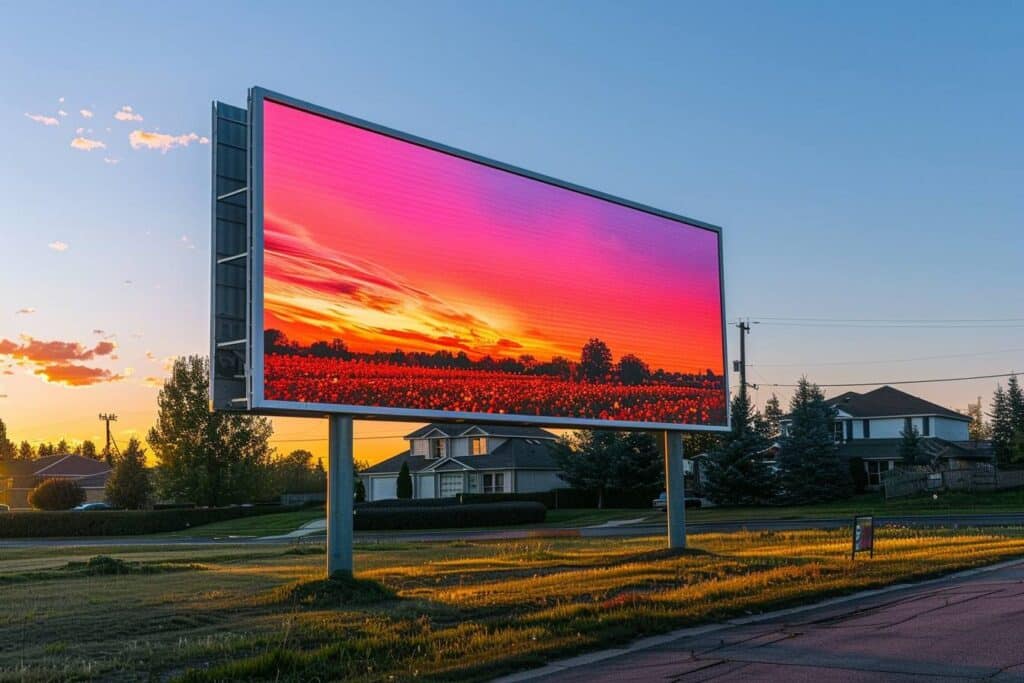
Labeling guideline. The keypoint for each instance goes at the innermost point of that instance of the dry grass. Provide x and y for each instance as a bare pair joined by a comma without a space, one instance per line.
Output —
454,611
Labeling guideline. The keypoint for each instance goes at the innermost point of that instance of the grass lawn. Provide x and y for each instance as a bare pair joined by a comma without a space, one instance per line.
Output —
437,611
257,525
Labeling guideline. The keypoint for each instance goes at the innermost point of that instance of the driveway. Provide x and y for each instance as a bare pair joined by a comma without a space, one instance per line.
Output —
964,628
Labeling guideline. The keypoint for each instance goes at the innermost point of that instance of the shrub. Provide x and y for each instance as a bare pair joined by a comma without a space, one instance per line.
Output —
56,494
411,503
121,522
858,474
447,517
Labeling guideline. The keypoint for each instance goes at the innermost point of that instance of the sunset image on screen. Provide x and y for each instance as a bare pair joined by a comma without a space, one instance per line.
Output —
399,276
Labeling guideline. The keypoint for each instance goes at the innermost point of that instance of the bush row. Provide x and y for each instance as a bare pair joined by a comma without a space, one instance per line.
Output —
408,503
121,522
569,498
448,516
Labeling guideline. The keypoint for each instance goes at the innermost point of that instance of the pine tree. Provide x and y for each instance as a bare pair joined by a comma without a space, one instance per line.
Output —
1002,426
911,449
1015,403
773,416
403,488
128,486
810,469
26,452
736,472
978,430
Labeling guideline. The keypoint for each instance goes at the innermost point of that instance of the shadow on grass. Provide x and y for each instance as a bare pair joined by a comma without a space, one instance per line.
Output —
101,565
337,591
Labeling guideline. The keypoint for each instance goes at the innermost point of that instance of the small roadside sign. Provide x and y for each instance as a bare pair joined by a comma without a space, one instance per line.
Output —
863,535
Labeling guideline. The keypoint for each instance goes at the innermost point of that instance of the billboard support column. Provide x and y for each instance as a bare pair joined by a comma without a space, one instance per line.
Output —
675,501
339,495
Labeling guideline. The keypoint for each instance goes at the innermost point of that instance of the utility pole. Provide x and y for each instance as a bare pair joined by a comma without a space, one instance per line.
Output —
108,418
744,326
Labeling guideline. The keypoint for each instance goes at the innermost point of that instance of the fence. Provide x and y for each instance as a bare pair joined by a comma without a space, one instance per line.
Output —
899,483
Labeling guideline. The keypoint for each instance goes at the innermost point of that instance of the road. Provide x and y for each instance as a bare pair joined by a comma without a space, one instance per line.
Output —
962,628
1000,519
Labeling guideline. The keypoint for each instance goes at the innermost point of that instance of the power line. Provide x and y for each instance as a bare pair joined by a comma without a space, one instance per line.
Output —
895,320
895,325
880,362
324,438
906,381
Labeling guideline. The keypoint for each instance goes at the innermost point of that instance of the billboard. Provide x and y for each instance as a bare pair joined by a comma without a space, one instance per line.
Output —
398,278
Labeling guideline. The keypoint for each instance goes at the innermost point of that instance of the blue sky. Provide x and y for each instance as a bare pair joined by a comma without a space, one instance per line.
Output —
864,160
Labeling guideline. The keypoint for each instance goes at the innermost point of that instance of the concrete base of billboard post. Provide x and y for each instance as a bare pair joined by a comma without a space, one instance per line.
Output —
675,492
339,496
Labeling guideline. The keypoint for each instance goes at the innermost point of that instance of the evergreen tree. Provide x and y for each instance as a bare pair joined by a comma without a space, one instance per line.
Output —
978,430
810,469
360,491
45,450
128,486
1015,403
403,488
736,471
7,449
63,448
773,416
911,449
204,457
1002,426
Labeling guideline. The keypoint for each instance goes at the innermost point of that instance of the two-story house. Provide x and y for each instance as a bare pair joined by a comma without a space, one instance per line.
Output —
448,459
870,426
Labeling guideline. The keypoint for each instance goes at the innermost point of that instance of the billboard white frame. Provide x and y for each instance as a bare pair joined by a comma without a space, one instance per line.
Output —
256,385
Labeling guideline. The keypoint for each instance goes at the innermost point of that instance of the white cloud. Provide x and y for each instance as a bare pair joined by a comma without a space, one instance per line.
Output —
86,114
87,144
58,245
126,113
140,139
28,310
79,131
43,119
62,113
111,160
61,100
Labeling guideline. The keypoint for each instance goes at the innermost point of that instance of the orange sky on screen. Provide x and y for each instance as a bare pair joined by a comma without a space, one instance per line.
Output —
389,245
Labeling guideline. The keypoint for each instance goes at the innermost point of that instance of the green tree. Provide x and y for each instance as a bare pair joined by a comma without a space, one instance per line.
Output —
26,452
295,473
56,494
45,449
403,488
736,471
128,485
911,448
1002,426
978,430
7,449
595,361
89,450
209,458
597,461
1015,403
772,417
632,370
810,469
62,447
360,491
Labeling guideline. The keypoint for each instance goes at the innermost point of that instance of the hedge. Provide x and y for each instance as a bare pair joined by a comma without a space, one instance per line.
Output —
408,503
448,516
121,522
570,498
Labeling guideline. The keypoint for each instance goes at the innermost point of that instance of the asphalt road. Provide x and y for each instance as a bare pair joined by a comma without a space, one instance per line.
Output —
963,628
1001,519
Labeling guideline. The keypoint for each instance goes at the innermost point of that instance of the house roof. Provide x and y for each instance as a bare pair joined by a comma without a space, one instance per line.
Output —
441,430
889,402
523,454
66,465
889,449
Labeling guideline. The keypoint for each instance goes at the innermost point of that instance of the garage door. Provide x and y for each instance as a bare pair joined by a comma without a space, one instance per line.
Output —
384,488
451,485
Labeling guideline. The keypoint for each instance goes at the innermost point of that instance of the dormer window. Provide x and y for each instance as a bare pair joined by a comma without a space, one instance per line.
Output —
419,447
478,446
437,448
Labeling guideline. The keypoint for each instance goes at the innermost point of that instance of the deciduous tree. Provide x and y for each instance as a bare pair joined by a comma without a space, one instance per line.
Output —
595,361
209,458
597,461
7,449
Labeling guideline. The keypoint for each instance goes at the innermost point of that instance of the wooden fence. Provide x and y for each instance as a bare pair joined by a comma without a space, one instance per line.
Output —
899,483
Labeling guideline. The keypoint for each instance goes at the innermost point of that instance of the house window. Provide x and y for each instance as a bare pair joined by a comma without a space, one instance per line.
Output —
926,426
494,483
478,446
837,431
419,447
867,429
876,468
437,448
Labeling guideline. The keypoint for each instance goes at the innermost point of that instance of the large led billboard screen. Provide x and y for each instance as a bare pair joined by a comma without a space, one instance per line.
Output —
394,277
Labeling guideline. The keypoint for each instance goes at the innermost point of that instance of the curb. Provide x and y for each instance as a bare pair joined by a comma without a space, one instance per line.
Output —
560,666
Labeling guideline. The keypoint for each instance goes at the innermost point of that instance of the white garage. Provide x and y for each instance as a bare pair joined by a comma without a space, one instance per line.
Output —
383,488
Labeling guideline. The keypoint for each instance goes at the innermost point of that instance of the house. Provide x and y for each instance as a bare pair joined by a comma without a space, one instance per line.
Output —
870,426
19,477
448,459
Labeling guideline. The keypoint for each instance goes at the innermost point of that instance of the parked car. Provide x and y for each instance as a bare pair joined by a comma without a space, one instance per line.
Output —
661,501
91,507
4,507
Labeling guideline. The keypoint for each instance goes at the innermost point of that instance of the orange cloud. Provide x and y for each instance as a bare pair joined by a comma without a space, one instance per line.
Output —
43,119
87,144
58,245
126,113
58,361
141,139
74,375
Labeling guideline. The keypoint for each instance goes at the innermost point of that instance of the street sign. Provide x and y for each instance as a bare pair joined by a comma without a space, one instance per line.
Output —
863,535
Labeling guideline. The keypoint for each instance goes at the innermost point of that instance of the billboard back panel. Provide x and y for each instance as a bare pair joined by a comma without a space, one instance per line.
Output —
402,279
